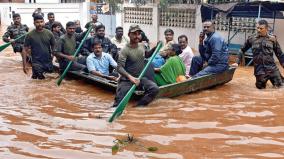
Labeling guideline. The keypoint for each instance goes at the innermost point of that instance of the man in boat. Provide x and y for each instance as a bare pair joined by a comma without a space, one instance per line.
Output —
186,54
15,30
56,30
66,47
51,20
98,62
119,39
263,47
130,65
41,43
108,47
94,21
214,56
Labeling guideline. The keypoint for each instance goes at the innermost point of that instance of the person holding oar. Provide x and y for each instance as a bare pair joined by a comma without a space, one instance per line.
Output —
14,31
67,46
130,65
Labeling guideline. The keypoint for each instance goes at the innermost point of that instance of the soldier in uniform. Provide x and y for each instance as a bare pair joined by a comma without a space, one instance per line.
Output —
15,30
66,47
263,47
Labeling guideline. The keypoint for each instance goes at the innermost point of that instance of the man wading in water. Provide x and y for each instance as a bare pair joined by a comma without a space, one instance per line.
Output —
130,65
41,42
263,47
15,30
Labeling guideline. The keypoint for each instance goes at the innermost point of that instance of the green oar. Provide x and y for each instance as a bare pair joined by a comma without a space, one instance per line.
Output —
4,46
121,106
75,54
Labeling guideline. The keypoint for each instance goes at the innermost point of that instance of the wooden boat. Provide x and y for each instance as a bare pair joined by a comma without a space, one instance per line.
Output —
171,90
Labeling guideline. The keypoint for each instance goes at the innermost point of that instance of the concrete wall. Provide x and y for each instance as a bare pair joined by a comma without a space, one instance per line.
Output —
63,13
150,30
42,1
155,32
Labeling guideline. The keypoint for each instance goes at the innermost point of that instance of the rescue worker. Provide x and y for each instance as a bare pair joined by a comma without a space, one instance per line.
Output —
130,65
15,30
263,47
66,47
40,42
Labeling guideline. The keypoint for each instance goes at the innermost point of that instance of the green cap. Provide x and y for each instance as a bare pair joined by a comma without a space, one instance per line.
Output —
133,28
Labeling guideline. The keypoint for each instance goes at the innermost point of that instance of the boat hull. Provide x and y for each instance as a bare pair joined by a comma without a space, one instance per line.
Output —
171,90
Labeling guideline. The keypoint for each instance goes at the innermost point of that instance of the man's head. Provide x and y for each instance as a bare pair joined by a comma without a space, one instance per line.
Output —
94,17
17,19
70,28
169,35
38,22
262,27
50,17
119,32
97,48
77,22
134,33
100,31
56,27
208,27
183,41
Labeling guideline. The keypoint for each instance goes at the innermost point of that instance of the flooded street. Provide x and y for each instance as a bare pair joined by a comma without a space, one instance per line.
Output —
41,120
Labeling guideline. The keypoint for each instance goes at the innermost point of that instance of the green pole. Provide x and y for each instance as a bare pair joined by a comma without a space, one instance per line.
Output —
121,106
75,54
4,46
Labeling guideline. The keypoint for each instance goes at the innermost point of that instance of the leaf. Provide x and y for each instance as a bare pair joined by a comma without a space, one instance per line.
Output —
114,149
152,149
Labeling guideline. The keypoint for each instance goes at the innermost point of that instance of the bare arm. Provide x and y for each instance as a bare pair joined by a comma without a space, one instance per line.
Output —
24,54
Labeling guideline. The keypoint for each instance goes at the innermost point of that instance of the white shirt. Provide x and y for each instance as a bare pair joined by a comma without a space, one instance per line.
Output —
186,57
119,44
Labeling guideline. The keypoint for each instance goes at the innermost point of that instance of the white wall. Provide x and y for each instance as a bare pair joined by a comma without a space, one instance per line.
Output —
63,13
44,1
155,32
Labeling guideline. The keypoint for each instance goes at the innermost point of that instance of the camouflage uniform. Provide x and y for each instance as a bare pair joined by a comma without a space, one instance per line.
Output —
13,32
263,48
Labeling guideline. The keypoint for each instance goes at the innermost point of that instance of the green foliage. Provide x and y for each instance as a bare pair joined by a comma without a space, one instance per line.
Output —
129,140
152,149
114,149
164,3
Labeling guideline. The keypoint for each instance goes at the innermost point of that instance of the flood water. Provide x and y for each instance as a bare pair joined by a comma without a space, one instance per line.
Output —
41,120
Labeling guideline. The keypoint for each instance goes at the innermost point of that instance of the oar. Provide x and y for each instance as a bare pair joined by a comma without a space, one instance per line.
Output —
75,54
121,106
4,46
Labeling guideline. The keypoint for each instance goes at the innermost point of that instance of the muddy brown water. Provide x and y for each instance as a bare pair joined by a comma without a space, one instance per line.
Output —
40,120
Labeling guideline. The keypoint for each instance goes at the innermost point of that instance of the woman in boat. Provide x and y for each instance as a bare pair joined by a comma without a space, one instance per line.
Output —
172,69
159,60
